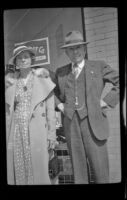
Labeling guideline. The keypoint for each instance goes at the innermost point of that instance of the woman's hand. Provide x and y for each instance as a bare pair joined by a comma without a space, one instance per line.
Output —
52,144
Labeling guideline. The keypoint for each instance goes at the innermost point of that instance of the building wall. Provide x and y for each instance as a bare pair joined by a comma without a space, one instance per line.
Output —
22,25
101,27
102,32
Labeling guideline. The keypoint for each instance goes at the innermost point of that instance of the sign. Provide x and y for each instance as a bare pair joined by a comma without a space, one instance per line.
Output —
41,49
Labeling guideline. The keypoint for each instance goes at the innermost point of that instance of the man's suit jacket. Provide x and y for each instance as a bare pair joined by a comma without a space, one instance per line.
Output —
97,73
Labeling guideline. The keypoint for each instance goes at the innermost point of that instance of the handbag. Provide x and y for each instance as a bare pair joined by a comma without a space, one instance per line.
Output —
54,166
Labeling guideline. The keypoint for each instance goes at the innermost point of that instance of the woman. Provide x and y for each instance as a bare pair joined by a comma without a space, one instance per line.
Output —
30,122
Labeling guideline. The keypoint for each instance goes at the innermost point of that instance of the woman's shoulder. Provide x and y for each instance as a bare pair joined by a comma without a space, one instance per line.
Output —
41,73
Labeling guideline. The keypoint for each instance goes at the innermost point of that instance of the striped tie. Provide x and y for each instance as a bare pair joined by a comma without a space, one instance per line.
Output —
75,70
76,74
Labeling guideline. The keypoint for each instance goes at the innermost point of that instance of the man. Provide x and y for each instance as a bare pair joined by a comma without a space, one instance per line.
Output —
79,88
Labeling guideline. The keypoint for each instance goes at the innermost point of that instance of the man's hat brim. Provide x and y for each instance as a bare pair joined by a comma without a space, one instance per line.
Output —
73,44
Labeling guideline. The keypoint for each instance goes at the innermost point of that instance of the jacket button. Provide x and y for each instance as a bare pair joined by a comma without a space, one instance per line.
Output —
43,114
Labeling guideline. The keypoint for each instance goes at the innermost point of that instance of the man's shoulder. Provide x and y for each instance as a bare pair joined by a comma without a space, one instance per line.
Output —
96,62
64,70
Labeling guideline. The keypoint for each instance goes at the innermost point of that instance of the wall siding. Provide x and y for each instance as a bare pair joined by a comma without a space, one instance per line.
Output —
102,33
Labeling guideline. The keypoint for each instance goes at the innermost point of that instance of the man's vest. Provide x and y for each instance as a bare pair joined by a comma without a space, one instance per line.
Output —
75,95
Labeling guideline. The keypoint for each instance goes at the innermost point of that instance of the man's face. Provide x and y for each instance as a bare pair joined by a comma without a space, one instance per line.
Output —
76,53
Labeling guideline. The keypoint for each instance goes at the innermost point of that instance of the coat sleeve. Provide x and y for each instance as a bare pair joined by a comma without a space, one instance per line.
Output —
59,97
111,76
51,117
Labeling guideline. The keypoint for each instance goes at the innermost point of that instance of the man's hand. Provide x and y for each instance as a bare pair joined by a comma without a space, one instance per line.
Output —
61,107
52,144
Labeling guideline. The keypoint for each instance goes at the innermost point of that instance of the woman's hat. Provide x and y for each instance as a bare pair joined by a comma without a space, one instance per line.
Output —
18,50
73,38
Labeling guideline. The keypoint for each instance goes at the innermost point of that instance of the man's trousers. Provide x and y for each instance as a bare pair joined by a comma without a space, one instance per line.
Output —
88,154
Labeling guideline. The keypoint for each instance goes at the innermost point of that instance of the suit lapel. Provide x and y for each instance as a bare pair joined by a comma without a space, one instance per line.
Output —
89,72
88,75
65,78
69,73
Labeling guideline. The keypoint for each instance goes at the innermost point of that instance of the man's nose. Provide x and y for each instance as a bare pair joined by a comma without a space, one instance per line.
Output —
75,50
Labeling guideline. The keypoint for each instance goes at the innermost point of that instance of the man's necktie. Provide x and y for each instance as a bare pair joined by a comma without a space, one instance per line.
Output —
76,74
75,70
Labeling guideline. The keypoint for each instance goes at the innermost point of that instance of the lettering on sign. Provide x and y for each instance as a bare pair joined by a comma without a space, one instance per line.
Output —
41,49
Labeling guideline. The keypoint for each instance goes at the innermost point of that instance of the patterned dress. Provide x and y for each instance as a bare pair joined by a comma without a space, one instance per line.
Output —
22,152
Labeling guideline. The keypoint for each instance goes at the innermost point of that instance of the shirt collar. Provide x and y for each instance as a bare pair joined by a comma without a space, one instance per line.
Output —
80,65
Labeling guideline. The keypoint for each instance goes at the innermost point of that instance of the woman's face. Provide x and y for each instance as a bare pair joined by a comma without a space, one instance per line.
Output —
23,60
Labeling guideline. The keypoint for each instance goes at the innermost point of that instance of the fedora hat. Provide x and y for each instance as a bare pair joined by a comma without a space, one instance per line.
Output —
73,38
19,50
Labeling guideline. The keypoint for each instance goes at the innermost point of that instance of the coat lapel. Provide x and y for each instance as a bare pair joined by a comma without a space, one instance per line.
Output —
10,91
10,95
41,89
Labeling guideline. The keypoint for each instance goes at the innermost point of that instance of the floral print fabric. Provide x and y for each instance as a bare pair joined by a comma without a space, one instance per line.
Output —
22,153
